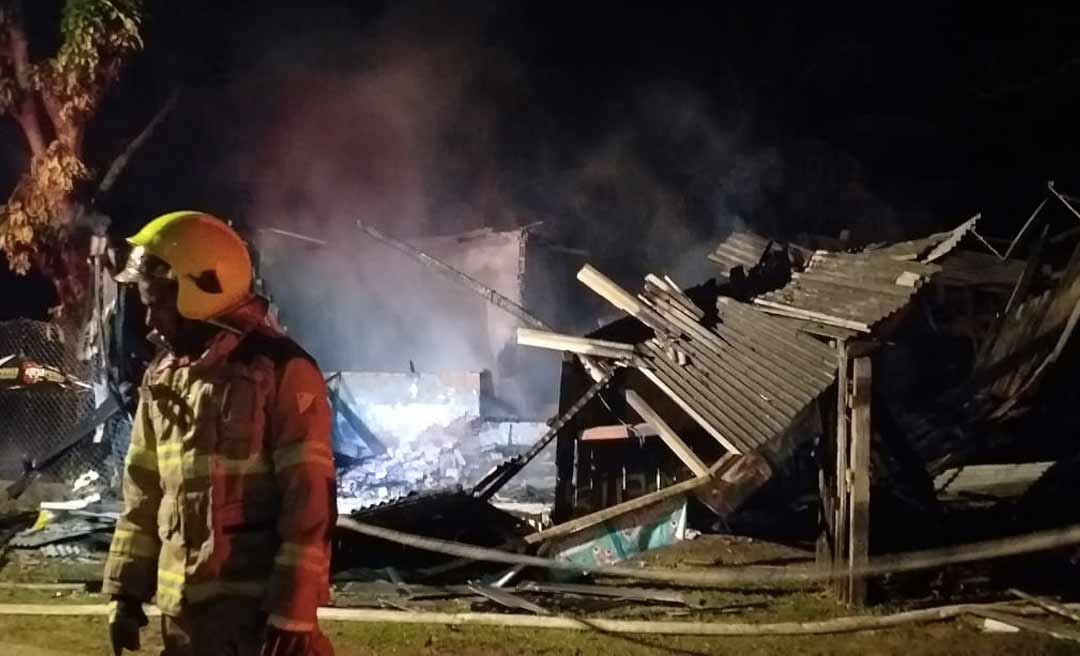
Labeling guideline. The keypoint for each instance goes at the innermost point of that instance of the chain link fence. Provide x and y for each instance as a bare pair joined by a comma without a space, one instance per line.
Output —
35,420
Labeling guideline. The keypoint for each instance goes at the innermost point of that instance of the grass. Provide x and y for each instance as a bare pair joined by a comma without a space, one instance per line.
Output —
32,636
55,636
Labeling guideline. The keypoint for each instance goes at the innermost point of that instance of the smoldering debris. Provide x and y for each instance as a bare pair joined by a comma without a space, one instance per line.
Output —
432,432
454,457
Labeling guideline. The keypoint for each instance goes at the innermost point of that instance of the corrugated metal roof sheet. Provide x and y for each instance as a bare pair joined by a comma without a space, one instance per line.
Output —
928,249
848,290
973,268
816,328
741,248
992,480
746,379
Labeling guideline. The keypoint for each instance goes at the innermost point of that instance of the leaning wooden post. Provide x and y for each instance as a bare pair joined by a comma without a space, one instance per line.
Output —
840,512
859,483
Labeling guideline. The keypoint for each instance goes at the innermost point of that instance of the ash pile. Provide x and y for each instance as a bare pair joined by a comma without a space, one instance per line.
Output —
397,434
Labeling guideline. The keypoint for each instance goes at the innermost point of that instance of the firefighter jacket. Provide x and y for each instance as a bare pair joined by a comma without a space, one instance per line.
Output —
229,483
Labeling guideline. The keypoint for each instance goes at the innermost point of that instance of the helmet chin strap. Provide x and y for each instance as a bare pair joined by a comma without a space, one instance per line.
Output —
224,326
221,322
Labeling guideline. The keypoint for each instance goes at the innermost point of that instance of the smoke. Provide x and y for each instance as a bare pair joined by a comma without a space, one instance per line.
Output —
424,124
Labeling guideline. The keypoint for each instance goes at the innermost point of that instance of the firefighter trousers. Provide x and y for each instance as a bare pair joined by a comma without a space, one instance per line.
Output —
226,626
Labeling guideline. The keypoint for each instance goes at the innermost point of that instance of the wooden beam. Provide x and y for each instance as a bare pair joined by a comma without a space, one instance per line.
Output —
1027,624
799,313
573,344
840,488
619,297
859,507
600,516
1047,604
667,433
617,432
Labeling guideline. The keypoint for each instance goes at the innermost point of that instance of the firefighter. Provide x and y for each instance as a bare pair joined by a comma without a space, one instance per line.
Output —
229,483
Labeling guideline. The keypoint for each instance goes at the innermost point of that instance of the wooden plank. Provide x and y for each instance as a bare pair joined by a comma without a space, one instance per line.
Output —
573,344
798,313
667,433
1028,624
600,516
1048,605
617,296
908,279
617,432
859,549
669,288
823,547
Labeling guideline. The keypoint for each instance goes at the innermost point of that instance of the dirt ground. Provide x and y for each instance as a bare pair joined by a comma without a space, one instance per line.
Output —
55,636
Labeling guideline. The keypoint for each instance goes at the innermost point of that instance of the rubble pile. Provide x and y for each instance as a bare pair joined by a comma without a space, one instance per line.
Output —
79,530
401,471
453,457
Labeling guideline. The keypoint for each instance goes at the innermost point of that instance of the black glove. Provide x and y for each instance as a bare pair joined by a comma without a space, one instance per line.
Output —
126,617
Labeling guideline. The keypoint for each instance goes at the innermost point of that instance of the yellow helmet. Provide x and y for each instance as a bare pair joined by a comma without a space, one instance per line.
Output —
209,261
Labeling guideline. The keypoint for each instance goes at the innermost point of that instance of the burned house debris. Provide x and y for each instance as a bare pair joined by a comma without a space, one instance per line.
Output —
423,432
795,386
733,377
436,393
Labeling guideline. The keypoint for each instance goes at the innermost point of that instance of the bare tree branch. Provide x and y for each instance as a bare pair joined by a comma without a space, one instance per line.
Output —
26,112
121,161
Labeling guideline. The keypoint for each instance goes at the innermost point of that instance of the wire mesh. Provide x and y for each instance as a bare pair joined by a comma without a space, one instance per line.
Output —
36,420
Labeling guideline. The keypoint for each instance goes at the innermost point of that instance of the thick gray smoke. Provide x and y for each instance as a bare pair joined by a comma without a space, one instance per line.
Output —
419,127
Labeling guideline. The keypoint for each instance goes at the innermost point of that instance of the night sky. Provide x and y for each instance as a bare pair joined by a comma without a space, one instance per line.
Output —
813,118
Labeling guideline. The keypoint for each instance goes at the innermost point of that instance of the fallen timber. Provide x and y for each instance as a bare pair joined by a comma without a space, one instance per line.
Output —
878,566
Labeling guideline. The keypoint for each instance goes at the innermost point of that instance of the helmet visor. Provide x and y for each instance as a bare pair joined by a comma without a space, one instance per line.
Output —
141,266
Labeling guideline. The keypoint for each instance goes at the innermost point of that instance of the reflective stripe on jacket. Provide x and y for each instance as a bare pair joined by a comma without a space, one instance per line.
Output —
229,483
